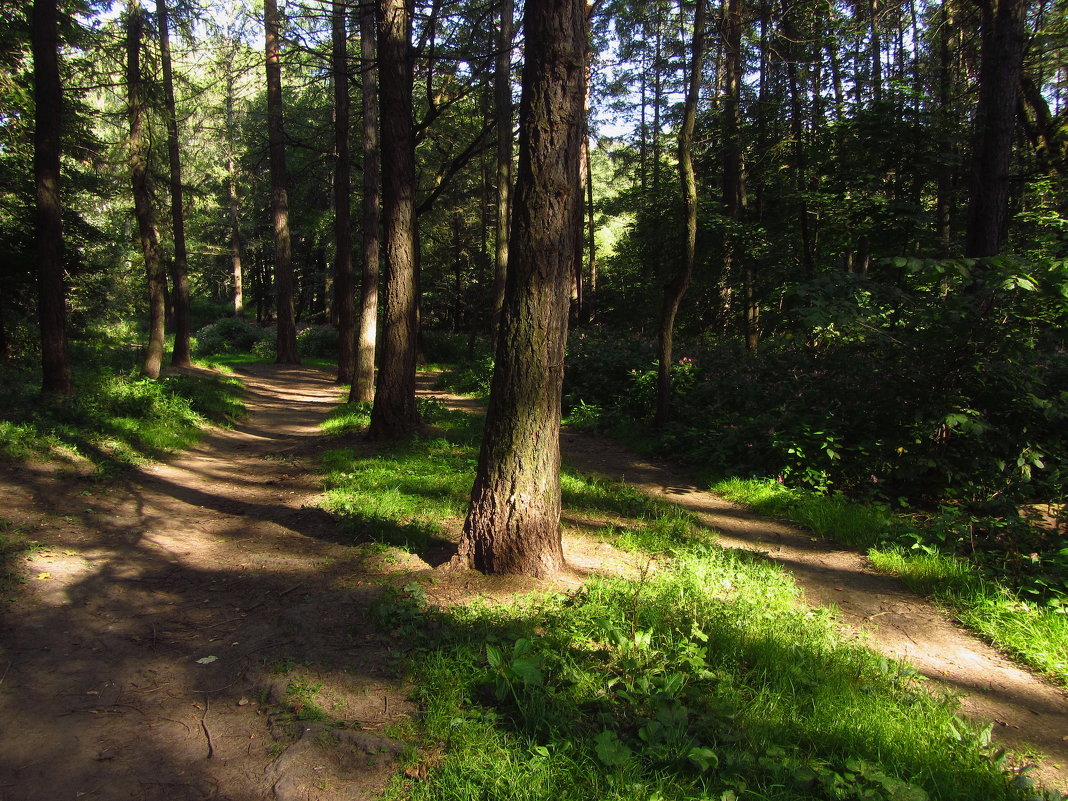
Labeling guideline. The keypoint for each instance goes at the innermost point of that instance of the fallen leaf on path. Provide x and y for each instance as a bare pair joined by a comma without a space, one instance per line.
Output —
207,660
44,576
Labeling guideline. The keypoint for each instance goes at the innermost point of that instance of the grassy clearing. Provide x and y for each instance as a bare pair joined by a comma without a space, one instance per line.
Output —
1037,635
701,679
115,418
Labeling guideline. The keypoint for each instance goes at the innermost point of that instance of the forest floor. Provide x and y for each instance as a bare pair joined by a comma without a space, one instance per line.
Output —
174,623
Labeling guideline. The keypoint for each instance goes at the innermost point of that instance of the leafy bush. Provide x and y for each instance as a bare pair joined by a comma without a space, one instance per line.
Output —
319,341
228,335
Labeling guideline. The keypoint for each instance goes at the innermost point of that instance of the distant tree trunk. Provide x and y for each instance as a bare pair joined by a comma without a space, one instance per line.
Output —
995,120
394,414
513,524
344,291
944,187
48,230
283,254
363,384
237,284
589,311
180,357
502,101
142,191
676,288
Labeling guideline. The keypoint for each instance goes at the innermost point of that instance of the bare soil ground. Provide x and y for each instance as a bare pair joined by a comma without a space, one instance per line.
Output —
176,624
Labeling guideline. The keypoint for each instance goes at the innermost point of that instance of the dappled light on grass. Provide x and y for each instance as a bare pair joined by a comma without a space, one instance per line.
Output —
702,676
699,679
116,418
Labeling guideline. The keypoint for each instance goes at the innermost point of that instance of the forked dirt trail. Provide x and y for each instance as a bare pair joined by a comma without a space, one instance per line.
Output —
175,625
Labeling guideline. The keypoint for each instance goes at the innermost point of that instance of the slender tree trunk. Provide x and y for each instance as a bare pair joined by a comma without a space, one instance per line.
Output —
394,414
142,192
363,384
513,524
502,101
944,189
590,309
344,290
676,288
999,79
237,286
180,357
658,90
48,229
876,45
283,254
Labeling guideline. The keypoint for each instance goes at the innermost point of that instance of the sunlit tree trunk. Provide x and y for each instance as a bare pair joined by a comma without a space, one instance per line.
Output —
513,524
283,255
344,290
142,191
180,356
48,229
363,384
394,413
676,288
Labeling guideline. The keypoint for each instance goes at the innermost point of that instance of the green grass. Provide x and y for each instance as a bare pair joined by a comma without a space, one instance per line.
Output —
1036,635
114,418
703,678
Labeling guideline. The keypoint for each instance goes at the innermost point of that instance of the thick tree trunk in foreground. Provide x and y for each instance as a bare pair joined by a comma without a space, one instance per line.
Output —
142,192
51,292
513,524
394,414
179,269
676,288
363,382
344,289
995,121
283,255
502,102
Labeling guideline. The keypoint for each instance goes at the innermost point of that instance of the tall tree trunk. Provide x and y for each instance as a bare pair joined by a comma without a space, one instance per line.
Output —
590,309
48,229
237,287
283,254
944,187
502,101
995,120
394,413
180,265
142,191
363,384
676,288
513,524
344,291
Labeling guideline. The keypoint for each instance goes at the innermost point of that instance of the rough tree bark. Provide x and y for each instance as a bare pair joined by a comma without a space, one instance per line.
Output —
180,356
394,414
995,120
48,230
502,102
513,524
344,289
363,383
676,287
142,191
283,255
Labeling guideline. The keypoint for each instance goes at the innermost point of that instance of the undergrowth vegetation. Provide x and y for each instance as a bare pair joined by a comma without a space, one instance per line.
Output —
115,417
702,677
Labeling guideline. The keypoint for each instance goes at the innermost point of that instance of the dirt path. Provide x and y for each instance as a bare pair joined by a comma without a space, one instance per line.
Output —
178,627
1028,712
166,617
